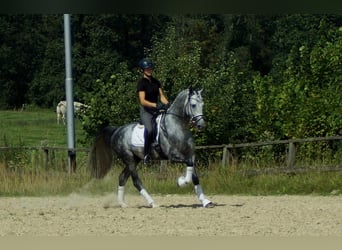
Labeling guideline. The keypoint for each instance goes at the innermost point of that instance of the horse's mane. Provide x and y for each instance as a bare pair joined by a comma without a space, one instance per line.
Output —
181,95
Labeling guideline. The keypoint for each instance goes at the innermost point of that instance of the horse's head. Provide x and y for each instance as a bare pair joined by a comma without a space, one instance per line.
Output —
194,109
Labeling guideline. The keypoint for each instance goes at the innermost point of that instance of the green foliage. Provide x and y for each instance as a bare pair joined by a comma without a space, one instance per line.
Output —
49,77
306,103
103,42
110,104
177,62
229,102
20,50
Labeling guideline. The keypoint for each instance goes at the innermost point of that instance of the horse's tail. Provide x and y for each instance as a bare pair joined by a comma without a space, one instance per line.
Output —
101,155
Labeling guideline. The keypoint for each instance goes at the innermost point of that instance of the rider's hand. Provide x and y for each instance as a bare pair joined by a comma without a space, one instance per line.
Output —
159,106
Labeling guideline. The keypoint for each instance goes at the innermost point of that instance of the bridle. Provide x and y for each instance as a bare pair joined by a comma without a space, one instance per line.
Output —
193,118
188,107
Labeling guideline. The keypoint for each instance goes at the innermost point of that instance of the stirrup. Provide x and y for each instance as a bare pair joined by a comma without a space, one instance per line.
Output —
147,159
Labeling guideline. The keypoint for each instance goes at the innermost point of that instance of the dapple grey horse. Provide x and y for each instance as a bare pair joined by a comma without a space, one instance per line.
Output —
175,142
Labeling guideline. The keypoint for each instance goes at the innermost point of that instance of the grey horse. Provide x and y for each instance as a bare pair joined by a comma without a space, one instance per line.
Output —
174,142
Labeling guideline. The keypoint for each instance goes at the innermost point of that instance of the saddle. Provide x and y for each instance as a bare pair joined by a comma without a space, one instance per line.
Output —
138,133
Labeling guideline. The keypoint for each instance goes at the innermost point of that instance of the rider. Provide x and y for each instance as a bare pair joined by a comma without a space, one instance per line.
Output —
152,99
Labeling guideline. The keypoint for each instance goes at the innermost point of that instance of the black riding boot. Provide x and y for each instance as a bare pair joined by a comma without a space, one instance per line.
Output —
147,147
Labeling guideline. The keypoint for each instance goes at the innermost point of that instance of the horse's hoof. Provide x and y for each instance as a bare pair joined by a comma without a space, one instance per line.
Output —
207,203
181,182
123,205
153,205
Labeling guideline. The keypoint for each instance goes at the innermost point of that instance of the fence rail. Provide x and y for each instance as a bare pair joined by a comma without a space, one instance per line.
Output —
292,143
291,154
226,151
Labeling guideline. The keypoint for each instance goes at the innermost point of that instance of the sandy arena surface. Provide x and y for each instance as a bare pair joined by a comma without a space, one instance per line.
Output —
177,215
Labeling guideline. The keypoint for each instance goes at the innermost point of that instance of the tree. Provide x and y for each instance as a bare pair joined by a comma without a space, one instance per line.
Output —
103,42
304,101
47,87
113,102
20,50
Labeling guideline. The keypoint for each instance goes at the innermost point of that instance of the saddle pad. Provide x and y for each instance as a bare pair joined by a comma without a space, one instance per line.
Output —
138,133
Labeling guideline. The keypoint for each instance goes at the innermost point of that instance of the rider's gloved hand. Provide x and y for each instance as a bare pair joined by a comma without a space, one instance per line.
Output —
167,106
159,106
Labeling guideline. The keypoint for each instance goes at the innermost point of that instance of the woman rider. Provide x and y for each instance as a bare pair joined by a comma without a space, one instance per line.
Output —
152,99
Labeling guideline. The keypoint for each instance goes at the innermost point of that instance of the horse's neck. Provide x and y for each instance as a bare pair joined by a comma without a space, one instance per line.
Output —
176,123
178,106
175,117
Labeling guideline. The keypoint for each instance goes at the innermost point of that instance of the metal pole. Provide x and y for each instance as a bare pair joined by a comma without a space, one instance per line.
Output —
69,95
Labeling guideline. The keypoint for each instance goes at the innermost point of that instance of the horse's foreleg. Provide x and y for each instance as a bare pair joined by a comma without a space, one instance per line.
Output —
199,192
183,180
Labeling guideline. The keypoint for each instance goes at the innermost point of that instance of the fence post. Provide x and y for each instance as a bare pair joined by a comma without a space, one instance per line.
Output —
162,166
225,157
72,161
291,157
46,151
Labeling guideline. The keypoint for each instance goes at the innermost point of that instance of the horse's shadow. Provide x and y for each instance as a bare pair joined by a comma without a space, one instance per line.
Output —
186,206
194,206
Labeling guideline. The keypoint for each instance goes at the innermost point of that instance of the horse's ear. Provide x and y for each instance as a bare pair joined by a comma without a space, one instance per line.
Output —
191,90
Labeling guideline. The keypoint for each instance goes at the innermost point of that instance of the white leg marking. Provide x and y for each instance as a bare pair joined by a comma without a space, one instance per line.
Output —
182,181
205,202
148,198
121,199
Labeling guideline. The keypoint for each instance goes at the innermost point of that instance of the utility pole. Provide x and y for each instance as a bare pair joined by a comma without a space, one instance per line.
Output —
69,95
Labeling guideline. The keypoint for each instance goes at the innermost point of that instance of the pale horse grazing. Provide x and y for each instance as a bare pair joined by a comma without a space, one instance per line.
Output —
61,110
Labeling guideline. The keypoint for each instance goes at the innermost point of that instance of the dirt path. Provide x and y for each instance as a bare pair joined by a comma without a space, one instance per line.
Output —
177,215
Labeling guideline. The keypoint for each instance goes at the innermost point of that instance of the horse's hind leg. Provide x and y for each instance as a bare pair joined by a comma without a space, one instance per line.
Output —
125,174
137,183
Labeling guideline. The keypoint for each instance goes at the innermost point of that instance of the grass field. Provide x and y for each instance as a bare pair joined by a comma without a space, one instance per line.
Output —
34,128
26,173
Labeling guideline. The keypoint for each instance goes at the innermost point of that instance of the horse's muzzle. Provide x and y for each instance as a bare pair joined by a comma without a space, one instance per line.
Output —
199,122
200,125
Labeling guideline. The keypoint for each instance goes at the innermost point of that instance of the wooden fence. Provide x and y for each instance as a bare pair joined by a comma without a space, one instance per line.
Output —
291,154
227,150
47,152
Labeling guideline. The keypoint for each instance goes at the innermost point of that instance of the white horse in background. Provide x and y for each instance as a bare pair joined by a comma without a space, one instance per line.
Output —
61,110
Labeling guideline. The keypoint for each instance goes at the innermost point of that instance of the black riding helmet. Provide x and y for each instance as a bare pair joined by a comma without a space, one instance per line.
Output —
146,63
